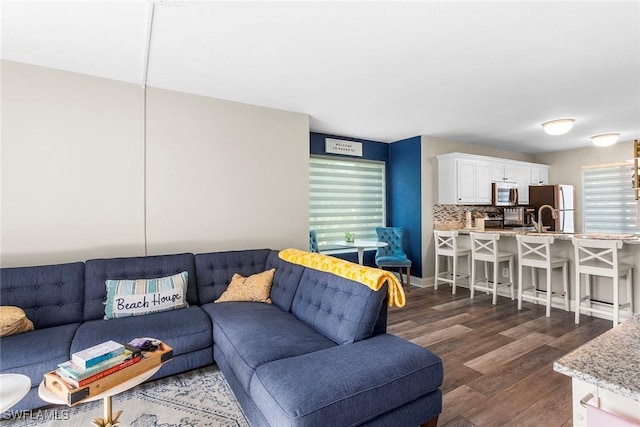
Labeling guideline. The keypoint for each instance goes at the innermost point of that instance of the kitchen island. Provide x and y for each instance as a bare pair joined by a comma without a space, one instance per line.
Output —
563,248
605,374
626,238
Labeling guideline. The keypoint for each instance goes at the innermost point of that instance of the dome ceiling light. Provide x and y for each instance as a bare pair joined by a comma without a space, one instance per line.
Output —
558,127
605,139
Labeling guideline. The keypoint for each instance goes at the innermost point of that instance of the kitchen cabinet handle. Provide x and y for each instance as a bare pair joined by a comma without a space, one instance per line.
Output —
585,399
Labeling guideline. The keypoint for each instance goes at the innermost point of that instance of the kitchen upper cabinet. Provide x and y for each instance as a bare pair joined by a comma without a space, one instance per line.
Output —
523,177
464,182
465,179
503,172
539,175
483,183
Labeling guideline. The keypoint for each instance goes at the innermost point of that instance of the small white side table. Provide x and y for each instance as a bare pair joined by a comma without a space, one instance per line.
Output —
361,245
13,387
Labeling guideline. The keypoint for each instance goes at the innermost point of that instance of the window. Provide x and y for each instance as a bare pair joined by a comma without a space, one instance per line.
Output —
609,203
345,196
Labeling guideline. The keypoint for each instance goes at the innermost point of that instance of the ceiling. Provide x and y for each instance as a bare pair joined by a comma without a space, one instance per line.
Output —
485,73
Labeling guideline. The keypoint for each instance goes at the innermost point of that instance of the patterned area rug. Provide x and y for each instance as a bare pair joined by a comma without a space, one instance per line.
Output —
197,398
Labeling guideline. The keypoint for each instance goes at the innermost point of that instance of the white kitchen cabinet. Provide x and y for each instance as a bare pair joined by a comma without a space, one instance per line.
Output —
483,183
523,176
503,172
464,181
605,400
466,178
539,176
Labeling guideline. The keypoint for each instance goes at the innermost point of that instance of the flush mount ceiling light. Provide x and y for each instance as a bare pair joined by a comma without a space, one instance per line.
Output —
605,139
558,127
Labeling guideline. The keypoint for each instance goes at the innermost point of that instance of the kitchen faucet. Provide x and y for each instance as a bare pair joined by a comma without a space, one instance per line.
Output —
539,226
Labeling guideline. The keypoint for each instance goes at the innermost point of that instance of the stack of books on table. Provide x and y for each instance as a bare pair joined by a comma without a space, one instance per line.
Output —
97,362
99,368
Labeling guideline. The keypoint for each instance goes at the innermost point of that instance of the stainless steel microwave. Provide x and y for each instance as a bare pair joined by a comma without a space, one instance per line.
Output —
504,194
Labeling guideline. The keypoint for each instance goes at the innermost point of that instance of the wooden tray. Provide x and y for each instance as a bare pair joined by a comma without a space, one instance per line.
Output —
73,395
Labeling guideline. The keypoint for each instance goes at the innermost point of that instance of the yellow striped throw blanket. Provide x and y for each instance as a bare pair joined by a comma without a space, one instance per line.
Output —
374,278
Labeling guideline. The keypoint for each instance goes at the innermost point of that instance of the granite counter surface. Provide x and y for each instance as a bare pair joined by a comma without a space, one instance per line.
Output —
610,361
626,238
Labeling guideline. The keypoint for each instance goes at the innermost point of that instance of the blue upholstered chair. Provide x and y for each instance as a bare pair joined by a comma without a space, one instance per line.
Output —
393,255
313,241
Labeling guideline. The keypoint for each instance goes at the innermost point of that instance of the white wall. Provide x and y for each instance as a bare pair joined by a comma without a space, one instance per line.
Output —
223,175
431,148
219,175
72,175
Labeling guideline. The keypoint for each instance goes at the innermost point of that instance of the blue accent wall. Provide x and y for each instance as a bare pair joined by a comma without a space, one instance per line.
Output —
404,202
404,205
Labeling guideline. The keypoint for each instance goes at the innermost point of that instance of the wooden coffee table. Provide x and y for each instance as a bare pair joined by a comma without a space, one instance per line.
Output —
109,420
13,387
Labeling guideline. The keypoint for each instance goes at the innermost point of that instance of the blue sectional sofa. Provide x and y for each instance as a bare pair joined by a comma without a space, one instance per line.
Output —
318,355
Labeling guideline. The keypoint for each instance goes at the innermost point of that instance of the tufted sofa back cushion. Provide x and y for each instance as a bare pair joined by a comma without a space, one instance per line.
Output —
97,271
342,310
50,295
214,270
285,281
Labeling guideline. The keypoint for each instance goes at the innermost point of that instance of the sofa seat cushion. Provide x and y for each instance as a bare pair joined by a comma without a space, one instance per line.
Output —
345,385
37,352
185,330
251,334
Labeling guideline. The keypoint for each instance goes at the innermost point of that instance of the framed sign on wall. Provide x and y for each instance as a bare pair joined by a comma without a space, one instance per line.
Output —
347,148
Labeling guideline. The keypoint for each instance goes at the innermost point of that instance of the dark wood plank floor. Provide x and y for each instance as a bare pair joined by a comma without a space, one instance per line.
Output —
497,360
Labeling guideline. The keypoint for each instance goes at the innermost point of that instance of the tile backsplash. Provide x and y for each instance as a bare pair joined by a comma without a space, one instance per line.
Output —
451,217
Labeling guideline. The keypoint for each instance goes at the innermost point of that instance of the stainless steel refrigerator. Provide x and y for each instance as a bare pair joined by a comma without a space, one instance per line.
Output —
562,199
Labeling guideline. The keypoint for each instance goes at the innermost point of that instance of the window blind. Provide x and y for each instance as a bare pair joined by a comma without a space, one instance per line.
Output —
345,196
608,201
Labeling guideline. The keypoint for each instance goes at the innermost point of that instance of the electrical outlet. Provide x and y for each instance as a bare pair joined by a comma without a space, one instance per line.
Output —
505,272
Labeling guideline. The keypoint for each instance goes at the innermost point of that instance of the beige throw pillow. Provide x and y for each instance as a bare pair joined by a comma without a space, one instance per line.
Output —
256,287
13,321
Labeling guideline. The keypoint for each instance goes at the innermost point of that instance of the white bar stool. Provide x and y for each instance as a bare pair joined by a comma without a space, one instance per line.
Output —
600,258
535,252
484,247
447,246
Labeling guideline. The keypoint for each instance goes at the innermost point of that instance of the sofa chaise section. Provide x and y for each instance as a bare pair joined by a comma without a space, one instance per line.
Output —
353,385
318,358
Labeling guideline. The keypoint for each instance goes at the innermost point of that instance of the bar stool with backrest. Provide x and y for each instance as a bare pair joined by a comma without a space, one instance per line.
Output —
596,257
484,247
535,252
447,245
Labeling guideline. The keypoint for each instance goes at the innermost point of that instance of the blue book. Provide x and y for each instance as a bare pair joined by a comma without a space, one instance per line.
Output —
75,372
96,354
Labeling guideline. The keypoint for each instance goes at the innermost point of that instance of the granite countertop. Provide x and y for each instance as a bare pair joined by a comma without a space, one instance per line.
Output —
626,238
610,361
